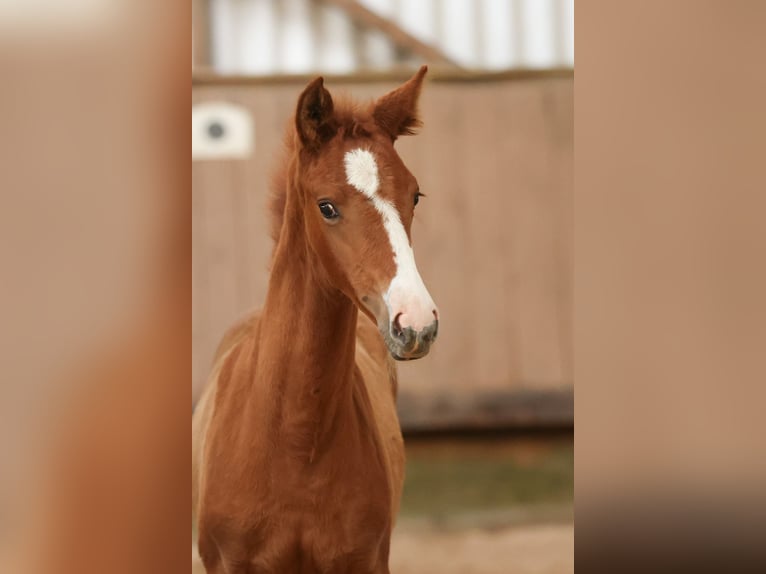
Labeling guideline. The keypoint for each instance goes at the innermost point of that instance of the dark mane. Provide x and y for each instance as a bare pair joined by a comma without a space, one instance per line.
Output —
354,120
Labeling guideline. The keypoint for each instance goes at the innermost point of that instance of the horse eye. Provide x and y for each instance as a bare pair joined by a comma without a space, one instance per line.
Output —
417,197
329,211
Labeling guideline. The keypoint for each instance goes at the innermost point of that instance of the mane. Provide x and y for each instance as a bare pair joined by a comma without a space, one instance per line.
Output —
354,120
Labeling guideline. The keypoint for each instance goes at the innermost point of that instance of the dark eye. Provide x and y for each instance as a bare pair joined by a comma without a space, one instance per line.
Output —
329,211
418,195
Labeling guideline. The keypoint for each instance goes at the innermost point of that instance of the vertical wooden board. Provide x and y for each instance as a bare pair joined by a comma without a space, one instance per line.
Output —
205,177
267,111
530,168
200,282
240,247
222,296
561,127
243,247
501,195
491,295
255,190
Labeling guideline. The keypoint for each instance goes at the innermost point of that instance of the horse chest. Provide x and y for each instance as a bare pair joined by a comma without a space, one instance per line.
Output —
313,521
332,513
339,498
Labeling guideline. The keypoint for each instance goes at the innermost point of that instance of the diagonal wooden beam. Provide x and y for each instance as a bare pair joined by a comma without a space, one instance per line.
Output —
370,19
201,33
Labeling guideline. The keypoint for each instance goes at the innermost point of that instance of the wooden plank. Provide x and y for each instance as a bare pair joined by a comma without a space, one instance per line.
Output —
486,190
560,120
220,249
371,19
444,412
399,74
534,193
200,282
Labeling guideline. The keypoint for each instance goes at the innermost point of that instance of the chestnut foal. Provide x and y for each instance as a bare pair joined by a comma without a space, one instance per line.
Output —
298,459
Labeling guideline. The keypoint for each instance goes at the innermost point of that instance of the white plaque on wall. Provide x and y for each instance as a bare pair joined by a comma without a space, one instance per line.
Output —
221,131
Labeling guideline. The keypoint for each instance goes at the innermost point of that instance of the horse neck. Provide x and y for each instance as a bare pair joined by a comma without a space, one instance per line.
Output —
307,338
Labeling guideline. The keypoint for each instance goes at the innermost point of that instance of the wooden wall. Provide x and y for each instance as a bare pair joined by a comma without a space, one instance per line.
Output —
493,240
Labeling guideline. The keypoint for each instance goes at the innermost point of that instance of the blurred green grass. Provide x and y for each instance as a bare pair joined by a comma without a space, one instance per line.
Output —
452,477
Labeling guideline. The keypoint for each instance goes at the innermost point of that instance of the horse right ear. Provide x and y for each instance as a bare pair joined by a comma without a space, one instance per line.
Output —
314,117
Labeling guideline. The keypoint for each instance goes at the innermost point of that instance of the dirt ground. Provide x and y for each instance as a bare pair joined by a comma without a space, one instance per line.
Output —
532,549
538,549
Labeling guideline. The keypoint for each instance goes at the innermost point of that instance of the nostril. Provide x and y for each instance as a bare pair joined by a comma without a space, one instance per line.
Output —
397,328
436,314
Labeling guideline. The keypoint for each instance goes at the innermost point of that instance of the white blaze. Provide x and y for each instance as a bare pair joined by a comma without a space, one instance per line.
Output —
406,294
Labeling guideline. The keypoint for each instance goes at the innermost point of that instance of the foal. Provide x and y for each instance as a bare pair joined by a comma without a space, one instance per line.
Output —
298,458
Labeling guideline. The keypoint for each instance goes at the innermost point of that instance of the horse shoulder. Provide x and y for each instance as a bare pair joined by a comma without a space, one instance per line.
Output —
232,339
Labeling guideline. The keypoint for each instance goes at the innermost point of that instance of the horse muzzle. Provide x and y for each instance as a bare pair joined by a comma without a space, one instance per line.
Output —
405,343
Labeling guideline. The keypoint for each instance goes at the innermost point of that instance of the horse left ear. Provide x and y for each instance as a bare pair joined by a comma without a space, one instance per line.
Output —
396,112
314,116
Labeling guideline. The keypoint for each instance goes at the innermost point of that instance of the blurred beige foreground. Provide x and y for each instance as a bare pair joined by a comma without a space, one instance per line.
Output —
538,549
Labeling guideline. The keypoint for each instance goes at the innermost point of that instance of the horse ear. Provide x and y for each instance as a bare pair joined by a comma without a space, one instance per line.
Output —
314,116
396,112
